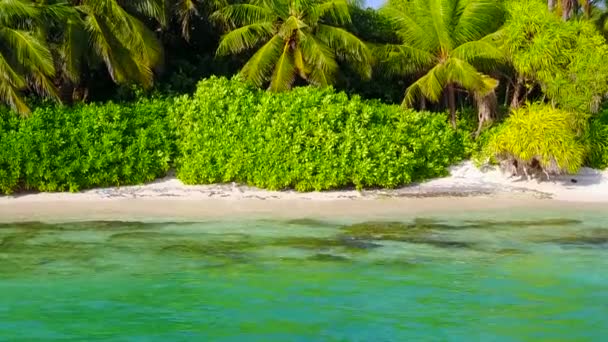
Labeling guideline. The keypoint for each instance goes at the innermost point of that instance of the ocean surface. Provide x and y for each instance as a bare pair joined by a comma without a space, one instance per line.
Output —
496,276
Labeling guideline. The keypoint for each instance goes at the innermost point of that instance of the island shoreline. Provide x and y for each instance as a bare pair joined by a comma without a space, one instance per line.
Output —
466,189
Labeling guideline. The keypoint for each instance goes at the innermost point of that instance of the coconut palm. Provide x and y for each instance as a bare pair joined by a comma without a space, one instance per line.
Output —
444,40
25,59
111,31
293,38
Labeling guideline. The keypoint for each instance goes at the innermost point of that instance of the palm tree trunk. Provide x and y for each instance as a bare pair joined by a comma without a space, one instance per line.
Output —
452,104
567,9
587,8
66,90
486,109
516,92
422,103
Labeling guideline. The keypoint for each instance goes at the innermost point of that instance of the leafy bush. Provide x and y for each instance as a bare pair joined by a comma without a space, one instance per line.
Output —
596,137
538,138
60,148
308,139
10,156
566,59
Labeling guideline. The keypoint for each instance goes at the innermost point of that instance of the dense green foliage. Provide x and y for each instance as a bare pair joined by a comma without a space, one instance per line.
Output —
470,56
297,38
443,40
308,139
60,148
539,137
596,137
566,60
25,59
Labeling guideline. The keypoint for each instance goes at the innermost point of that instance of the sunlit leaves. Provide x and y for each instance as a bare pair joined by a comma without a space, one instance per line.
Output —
446,40
312,41
307,139
565,59
60,148
539,134
25,59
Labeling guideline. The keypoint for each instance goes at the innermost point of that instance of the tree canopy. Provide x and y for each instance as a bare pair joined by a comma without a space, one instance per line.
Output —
302,38
443,41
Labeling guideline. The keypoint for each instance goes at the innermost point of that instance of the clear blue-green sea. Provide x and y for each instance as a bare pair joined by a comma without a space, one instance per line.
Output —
542,276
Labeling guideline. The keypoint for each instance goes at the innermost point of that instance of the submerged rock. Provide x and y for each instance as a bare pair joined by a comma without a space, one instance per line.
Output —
525,223
324,243
328,257
214,248
591,238
137,235
27,225
304,222
420,231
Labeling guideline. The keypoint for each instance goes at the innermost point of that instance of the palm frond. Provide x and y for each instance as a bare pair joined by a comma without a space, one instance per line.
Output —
460,72
244,38
430,86
479,50
73,49
348,46
291,25
185,11
156,9
259,66
284,71
57,12
141,41
402,59
114,55
43,85
410,31
441,14
243,14
477,19
28,50
300,63
336,10
16,12
10,95
320,60
9,75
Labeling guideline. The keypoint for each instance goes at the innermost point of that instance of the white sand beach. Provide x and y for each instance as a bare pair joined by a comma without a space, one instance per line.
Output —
467,188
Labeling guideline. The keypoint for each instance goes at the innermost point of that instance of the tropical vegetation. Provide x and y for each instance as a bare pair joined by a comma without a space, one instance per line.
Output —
307,139
293,39
61,149
92,90
443,41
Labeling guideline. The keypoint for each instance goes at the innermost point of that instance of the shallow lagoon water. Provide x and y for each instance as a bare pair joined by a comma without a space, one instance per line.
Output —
542,276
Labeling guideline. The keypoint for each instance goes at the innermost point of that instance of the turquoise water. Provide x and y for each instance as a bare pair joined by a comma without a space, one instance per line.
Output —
463,278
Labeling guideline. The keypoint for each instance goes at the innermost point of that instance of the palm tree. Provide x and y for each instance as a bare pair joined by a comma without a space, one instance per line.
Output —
293,38
112,32
25,59
183,11
443,40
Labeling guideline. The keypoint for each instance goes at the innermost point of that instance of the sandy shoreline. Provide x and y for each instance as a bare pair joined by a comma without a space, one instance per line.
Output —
467,188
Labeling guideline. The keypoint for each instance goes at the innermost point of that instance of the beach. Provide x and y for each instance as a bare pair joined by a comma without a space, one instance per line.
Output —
466,188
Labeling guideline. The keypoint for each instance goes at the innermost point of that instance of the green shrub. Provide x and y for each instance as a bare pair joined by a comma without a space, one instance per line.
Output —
10,156
538,137
565,59
59,148
596,137
307,139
